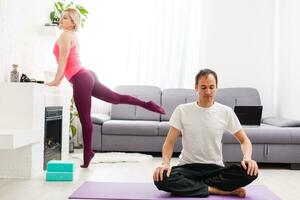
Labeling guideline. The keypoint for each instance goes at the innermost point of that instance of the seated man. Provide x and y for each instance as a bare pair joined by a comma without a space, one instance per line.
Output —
201,170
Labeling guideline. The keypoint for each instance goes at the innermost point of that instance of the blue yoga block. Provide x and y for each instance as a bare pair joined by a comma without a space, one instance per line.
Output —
60,166
59,176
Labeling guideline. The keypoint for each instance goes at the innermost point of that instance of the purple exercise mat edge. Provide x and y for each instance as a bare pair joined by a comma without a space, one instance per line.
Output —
147,191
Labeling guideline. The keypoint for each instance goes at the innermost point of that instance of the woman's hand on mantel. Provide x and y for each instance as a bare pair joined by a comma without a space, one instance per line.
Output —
53,83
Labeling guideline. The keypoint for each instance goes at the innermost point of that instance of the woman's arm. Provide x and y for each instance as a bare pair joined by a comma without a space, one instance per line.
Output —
64,43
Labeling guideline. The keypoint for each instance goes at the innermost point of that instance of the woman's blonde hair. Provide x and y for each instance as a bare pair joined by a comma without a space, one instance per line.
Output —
75,17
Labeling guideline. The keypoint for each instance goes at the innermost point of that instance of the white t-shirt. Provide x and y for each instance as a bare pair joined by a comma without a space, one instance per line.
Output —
202,130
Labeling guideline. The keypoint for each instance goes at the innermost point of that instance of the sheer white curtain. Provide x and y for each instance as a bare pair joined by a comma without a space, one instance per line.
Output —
145,42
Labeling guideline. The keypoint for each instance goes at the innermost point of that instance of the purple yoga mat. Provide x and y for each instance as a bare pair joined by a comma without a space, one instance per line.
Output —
147,191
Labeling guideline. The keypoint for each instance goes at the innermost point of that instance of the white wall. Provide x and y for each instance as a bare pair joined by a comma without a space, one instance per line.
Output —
24,38
238,44
288,93
250,43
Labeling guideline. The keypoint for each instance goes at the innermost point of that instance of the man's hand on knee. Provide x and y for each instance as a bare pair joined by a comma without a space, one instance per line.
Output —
251,166
159,172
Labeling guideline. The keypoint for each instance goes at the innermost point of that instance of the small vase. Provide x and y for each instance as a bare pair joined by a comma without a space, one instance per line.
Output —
14,74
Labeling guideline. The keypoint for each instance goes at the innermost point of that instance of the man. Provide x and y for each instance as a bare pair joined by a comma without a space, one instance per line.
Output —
201,170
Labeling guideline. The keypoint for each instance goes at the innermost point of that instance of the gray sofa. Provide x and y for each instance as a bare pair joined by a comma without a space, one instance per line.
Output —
134,129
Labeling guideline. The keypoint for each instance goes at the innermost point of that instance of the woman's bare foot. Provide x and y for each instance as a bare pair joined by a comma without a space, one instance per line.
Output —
240,192
152,106
87,159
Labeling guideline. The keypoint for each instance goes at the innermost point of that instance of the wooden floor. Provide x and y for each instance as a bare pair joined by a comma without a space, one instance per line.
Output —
279,178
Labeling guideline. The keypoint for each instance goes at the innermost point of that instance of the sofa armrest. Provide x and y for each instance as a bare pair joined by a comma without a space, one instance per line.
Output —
99,118
281,122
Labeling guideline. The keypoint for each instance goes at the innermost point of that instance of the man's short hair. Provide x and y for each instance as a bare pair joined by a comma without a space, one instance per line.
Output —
206,72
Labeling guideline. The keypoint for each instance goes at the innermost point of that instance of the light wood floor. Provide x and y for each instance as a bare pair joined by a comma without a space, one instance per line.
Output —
282,181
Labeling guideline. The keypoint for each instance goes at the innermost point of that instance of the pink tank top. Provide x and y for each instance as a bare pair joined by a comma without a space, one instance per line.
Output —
73,63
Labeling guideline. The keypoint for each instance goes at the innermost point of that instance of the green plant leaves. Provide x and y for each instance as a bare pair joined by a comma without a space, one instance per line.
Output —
73,115
82,10
60,6
52,16
73,130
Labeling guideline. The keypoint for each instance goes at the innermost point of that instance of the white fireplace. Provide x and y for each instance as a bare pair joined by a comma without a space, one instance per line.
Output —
22,125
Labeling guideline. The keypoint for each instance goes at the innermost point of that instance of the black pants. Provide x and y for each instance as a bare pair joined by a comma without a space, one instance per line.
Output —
193,179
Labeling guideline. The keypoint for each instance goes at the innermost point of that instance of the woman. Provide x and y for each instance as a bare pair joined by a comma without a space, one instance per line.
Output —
85,82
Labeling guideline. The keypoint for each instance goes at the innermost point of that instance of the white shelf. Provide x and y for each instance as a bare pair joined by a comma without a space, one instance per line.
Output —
13,139
22,127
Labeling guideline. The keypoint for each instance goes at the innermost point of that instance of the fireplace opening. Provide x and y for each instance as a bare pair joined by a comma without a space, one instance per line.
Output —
53,134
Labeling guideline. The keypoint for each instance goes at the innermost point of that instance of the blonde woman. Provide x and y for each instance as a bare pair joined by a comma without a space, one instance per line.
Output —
85,82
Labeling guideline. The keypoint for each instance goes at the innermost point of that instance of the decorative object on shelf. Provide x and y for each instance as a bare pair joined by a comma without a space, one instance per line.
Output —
24,78
14,74
60,6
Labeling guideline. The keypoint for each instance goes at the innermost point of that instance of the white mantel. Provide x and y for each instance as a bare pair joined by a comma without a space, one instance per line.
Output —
22,120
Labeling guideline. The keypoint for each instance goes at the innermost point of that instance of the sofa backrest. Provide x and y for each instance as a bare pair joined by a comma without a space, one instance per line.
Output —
231,97
238,97
171,98
130,112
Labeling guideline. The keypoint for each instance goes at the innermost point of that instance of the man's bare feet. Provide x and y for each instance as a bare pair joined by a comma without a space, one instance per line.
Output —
240,192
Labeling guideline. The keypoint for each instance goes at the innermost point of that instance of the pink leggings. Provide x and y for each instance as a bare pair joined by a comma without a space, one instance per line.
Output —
85,85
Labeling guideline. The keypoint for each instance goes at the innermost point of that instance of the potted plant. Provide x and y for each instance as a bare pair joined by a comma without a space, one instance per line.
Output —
60,6
73,129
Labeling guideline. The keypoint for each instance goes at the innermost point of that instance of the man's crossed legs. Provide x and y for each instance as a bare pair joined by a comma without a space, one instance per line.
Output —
201,180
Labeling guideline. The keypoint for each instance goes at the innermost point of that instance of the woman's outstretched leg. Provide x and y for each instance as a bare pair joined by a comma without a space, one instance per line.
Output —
102,92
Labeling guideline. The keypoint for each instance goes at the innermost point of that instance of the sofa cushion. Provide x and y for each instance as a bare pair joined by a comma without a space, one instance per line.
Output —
228,101
267,134
281,122
123,111
99,118
142,113
231,97
171,98
130,127
163,128
295,134
238,97
127,112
